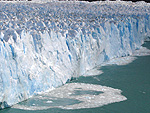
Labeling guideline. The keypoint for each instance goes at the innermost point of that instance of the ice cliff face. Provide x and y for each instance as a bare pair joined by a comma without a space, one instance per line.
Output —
43,45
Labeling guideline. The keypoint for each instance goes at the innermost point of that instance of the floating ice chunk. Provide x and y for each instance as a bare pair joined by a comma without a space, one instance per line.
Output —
49,102
92,72
74,96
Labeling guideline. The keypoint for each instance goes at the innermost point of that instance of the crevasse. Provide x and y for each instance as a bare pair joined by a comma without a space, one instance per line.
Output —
43,45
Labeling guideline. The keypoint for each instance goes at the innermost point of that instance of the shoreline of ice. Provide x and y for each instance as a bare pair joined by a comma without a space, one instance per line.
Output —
85,87
143,51
43,45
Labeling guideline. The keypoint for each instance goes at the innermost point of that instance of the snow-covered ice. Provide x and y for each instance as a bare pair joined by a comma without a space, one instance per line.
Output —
43,45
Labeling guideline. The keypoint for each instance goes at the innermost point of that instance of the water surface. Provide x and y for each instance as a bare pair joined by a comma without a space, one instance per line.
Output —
133,79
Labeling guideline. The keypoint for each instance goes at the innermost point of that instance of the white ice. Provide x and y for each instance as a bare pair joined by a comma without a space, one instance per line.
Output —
108,95
44,45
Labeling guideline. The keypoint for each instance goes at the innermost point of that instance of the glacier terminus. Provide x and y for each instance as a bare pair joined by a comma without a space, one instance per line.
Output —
44,45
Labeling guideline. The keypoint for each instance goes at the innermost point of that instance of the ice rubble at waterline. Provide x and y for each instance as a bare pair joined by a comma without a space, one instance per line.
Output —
43,45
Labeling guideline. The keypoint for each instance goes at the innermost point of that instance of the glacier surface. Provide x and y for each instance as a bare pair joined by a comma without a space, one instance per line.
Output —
43,45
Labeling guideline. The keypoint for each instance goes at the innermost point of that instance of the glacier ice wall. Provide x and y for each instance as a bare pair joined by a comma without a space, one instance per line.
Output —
43,45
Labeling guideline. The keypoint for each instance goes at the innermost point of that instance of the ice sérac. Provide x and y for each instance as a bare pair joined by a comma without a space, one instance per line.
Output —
43,45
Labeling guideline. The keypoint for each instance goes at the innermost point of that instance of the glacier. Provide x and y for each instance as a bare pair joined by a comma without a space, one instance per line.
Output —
44,45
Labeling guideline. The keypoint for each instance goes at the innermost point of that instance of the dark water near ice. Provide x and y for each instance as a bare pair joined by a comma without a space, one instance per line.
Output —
133,79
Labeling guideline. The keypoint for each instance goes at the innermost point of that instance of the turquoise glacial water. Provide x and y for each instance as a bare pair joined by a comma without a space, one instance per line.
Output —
133,79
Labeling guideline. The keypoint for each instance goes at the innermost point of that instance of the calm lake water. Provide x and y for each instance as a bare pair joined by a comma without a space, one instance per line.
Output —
133,79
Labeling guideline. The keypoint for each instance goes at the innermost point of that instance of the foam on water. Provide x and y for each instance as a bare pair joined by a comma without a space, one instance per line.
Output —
73,96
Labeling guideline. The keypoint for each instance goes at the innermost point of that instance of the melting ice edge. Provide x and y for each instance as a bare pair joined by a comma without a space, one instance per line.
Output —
43,45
